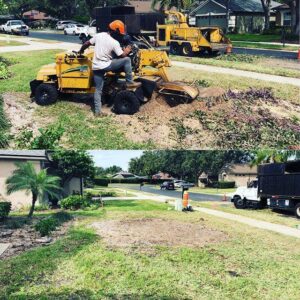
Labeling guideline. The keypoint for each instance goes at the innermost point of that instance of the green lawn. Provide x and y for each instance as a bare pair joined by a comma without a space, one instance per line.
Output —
264,46
211,190
252,37
8,43
109,191
248,63
250,264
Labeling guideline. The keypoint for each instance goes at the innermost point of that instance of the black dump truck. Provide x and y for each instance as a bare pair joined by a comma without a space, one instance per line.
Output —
279,183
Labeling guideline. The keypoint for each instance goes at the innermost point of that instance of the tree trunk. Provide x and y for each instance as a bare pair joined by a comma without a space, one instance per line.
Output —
266,7
34,198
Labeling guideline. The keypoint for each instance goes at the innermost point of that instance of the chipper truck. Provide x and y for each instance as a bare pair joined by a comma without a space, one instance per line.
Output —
189,41
277,187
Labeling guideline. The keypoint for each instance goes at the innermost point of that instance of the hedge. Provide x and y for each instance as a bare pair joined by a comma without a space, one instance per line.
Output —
223,184
106,181
5,208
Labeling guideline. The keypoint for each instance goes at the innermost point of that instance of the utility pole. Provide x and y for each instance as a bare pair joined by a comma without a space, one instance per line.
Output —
227,16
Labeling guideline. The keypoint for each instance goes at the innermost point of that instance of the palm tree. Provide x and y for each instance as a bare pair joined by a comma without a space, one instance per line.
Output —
273,156
26,178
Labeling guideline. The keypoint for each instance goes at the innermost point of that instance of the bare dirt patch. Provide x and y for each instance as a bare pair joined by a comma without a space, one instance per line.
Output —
141,233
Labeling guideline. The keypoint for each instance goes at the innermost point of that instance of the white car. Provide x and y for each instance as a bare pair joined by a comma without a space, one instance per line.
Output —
74,29
88,32
15,27
182,183
60,25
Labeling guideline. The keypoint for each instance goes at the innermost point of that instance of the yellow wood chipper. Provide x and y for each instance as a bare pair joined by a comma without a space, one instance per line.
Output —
72,73
189,41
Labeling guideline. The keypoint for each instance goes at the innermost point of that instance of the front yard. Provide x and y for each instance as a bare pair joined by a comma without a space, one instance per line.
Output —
215,120
123,251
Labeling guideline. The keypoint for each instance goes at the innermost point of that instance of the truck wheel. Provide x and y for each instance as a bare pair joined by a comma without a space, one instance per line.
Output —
46,94
126,103
186,50
297,210
174,49
239,203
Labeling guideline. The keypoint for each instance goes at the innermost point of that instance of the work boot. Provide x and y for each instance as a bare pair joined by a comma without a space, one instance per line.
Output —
100,114
133,85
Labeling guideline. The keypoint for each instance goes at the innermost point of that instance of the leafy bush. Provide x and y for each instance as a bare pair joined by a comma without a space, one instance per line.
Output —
49,138
5,208
223,184
101,181
4,73
4,126
49,224
41,207
74,202
128,180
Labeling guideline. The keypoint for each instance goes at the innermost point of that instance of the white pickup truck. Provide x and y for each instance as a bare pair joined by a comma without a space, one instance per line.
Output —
15,27
247,196
88,32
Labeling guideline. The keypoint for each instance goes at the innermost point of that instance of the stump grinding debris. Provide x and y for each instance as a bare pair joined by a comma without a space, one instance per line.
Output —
141,233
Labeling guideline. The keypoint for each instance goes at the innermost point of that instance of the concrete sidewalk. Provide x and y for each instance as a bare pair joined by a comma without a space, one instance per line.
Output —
238,73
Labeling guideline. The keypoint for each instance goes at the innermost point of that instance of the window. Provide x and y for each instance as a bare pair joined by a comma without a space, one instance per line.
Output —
287,18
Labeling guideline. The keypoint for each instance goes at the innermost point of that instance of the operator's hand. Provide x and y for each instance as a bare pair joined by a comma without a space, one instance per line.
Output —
127,49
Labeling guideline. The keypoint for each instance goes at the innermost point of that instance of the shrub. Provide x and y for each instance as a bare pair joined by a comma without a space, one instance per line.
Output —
101,181
223,184
74,202
46,226
4,126
129,180
49,224
5,208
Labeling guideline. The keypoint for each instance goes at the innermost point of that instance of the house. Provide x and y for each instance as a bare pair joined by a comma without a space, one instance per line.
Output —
34,15
142,6
240,173
244,16
40,159
283,15
162,175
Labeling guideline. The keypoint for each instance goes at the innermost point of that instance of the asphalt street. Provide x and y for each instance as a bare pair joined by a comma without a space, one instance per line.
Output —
58,36
172,193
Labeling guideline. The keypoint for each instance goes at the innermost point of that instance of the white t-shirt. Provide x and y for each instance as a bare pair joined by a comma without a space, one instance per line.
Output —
105,46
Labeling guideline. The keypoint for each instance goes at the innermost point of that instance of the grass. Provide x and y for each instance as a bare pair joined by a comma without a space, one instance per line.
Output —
79,266
211,190
84,131
277,217
26,68
281,91
264,46
252,37
247,63
116,192
8,43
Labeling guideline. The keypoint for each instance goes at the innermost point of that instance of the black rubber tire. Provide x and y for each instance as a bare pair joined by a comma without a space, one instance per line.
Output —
126,103
297,210
46,94
174,49
186,50
239,203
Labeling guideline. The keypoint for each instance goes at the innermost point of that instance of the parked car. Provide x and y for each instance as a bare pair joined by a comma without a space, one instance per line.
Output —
88,32
60,25
182,183
167,185
74,29
15,27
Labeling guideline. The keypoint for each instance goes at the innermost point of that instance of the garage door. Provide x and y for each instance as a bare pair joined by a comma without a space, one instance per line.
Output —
219,21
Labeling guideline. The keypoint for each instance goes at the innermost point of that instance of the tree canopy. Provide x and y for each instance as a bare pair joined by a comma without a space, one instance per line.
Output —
185,164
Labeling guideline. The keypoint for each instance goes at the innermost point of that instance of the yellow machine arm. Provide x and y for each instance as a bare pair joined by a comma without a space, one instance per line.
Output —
180,16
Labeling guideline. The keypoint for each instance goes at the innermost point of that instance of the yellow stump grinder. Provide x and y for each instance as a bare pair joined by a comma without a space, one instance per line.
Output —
72,73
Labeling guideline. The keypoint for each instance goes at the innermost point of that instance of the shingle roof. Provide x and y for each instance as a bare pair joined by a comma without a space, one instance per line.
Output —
20,154
239,169
243,5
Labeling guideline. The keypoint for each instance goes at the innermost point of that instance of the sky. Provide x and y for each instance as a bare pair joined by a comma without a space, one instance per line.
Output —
107,158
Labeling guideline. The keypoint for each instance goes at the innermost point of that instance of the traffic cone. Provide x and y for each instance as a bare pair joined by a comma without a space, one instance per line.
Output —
298,57
185,200
224,198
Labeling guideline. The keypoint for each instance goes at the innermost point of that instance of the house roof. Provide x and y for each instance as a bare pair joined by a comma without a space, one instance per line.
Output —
239,6
23,154
239,169
142,6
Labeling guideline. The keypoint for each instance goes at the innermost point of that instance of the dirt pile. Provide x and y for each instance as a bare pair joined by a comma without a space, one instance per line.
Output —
142,233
